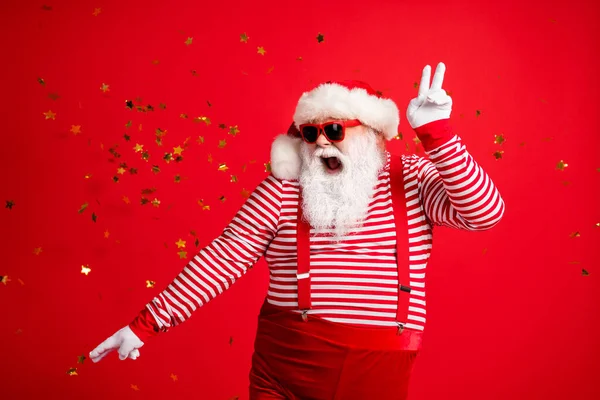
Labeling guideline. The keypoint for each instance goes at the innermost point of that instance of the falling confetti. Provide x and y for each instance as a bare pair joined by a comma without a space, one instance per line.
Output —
177,150
180,243
200,140
584,272
81,359
222,143
72,371
244,38
10,204
94,217
75,129
268,166
50,115
85,269
230,340
182,254
477,113
126,200
37,251
233,179
261,50
222,199
135,387
561,165
499,139
204,119
96,12
41,81
105,88
245,194
4,279
574,235
320,37
150,284
188,41
156,202
498,154
205,207
53,96
234,130
223,167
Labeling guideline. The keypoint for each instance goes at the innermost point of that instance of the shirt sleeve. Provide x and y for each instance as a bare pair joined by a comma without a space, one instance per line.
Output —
454,190
217,266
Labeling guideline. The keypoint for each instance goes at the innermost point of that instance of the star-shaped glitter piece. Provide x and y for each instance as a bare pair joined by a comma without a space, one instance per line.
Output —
75,129
177,150
202,118
261,50
96,12
37,251
72,371
174,377
233,179
234,130
188,41
135,387
106,234
561,165
584,272
267,166
320,37
50,115
126,200
477,113
498,154
416,140
85,269
4,279
182,254
180,243
575,234
244,38
81,359
105,88
205,207
9,204
156,202
121,170
138,148
200,140
222,199
499,139
150,284
222,143
245,193
223,167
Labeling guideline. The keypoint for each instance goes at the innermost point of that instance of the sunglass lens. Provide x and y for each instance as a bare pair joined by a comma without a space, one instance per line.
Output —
334,131
310,133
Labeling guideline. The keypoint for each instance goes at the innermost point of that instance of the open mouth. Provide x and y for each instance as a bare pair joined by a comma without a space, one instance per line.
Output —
332,164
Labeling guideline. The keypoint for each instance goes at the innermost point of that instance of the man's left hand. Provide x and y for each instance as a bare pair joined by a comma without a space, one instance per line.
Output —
432,103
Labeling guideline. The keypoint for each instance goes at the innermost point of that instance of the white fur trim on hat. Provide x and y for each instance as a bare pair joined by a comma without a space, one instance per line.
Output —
332,100
285,157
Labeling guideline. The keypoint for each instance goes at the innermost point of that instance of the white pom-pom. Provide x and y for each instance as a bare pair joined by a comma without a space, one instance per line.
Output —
285,157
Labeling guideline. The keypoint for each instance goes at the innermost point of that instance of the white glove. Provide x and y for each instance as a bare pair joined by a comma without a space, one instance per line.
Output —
124,340
432,103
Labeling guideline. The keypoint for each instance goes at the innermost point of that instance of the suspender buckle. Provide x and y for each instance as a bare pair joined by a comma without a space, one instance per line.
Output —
400,328
405,288
305,315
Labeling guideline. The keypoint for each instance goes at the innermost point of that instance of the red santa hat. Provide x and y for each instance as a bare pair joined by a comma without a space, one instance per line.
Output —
333,99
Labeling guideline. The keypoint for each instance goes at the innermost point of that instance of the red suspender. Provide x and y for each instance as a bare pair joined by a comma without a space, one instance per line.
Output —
401,222
303,245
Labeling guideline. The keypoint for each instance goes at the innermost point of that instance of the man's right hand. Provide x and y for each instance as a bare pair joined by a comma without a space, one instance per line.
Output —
124,340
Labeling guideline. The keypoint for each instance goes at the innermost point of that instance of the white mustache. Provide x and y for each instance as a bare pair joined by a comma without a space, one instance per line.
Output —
328,152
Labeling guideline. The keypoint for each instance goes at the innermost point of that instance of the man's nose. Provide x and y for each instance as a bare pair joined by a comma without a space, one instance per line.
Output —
322,140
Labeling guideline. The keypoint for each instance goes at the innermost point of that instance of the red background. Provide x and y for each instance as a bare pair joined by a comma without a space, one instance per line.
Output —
511,313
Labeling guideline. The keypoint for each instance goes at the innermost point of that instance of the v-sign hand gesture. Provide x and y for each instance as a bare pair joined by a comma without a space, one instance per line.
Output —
432,103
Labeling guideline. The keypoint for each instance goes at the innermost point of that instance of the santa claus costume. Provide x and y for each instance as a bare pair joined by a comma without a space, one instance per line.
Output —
346,237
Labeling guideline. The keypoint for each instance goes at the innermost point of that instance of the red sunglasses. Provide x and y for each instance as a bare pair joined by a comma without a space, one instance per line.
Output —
334,131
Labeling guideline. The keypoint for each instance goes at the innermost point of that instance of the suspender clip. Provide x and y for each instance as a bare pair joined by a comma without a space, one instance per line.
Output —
405,288
305,315
400,328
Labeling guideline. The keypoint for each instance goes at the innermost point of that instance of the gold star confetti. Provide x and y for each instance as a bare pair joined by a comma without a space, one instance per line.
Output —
138,148
188,41
222,199
105,88
299,58
135,387
320,37
41,81
233,179
230,340
417,141
150,284
37,251
75,129
261,51
50,115
270,69
10,204
4,279
162,106
202,118
85,269
268,166
81,359
96,12
200,140
94,217
183,116
205,207
106,234
498,154
245,194
72,371
156,202
121,170
126,200
182,254
499,139
584,272
244,38
174,377
223,167
177,150
561,165
222,143
574,235
155,169
233,130
210,158
180,243
21,282
399,136
82,208
477,113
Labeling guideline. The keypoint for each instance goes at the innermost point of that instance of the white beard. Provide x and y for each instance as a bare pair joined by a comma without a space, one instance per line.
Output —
337,203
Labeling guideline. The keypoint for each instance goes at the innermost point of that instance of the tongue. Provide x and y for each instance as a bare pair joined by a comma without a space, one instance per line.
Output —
333,162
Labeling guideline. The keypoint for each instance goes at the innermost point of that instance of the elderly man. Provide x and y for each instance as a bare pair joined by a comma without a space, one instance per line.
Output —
346,230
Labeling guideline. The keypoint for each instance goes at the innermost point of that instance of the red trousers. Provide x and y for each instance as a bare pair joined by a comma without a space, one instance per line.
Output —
320,360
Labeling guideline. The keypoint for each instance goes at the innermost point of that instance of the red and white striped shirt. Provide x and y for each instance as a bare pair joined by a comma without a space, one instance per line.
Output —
354,281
